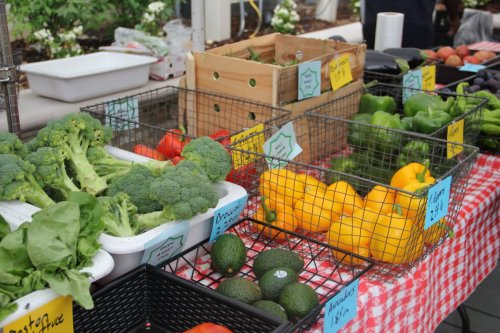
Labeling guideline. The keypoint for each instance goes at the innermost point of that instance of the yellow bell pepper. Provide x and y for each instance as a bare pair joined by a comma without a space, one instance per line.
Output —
315,212
282,186
311,183
413,206
343,193
434,234
380,199
367,217
412,173
275,214
396,239
348,234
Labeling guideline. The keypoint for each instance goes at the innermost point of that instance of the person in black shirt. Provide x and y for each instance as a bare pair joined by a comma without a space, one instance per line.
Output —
418,26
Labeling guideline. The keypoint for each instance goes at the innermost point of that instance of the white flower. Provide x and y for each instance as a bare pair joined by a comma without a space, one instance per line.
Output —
295,16
43,34
156,7
283,11
148,18
289,26
78,30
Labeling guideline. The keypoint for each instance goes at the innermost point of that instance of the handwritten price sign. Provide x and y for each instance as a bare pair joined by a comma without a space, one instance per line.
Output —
341,308
340,72
251,140
226,216
438,199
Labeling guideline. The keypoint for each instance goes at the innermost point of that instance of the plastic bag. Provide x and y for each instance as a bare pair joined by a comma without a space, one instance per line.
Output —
475,26
131,38
178,36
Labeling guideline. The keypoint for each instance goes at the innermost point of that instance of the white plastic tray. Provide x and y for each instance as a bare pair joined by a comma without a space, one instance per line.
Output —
82,77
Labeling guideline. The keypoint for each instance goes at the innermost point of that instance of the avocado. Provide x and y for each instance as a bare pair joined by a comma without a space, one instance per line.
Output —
272,308
228,255
240,289
273,258
298,299
275,280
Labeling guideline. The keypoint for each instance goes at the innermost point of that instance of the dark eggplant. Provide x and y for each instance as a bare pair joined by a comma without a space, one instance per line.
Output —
479,81
385,63
412,55
474,88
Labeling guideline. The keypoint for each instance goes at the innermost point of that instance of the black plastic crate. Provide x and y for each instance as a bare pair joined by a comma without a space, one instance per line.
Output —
327,268
151,300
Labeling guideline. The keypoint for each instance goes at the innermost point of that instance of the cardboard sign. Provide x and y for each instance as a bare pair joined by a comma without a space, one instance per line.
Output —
250,140
226,216
167,244
283,145
341,308
55,317
128,110
455,134
309,77
340,72
438,198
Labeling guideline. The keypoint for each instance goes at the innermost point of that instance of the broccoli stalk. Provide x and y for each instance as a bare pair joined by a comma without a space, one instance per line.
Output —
118,213
17,182
51,171
183,193
109,167
72,135
210,156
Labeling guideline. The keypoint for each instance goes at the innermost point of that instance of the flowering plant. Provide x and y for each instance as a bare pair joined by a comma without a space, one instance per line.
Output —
63,45
156,13
285,17
475,3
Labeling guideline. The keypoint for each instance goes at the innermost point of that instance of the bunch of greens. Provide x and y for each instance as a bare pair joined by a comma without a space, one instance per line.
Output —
50,252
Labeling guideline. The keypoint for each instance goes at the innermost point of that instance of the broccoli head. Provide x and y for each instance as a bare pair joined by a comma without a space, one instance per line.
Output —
210,156
137,184
109,167
118,215
72,135
17,182
11,144
182,193
50,170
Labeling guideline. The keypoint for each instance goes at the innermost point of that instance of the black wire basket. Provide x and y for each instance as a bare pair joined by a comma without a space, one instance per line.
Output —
327,269
338,188
150,300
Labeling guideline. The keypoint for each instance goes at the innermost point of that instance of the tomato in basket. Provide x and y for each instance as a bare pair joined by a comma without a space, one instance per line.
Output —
209,328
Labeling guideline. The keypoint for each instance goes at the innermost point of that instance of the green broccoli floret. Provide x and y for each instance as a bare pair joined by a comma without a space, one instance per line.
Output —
72,135
50,170
210,156
109,167
182,193
137,184
17,182
11,144
118,215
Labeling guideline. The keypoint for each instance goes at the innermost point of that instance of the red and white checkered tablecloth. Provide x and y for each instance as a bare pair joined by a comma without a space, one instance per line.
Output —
420,300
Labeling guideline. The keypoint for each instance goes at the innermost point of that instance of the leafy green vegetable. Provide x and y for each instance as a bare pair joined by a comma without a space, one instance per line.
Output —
4,228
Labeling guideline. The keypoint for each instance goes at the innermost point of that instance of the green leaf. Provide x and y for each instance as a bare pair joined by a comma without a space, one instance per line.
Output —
4,228
13,252
70,282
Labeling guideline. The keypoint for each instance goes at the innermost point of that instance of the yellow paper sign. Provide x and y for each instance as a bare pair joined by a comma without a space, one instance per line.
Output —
340,72
252,140
54,317
455,134
429,78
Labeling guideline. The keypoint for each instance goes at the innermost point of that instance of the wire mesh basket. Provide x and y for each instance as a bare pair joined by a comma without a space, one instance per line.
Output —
342,107
395,79
344,191
149,299
326,269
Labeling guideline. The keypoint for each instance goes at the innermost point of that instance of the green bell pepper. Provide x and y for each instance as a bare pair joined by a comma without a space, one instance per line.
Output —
493,102
342,164
407,123
385,140
371,103
413,151
429,121
421,102
358,133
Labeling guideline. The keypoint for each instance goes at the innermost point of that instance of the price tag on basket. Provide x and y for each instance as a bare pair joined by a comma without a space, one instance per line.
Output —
340,72
226,216
309,78
341,308
471,68
429,78
167,244
122,114
413,81
455,134
282,145
250,140
55,317
438,198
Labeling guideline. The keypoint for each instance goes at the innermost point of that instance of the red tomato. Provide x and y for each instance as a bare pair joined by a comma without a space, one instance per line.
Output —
149,152
172,142
208,328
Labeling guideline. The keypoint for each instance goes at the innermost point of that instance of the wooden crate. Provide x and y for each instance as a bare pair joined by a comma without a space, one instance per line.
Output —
225,69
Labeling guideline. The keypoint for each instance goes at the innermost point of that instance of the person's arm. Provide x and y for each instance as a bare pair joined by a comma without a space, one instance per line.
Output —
452,7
